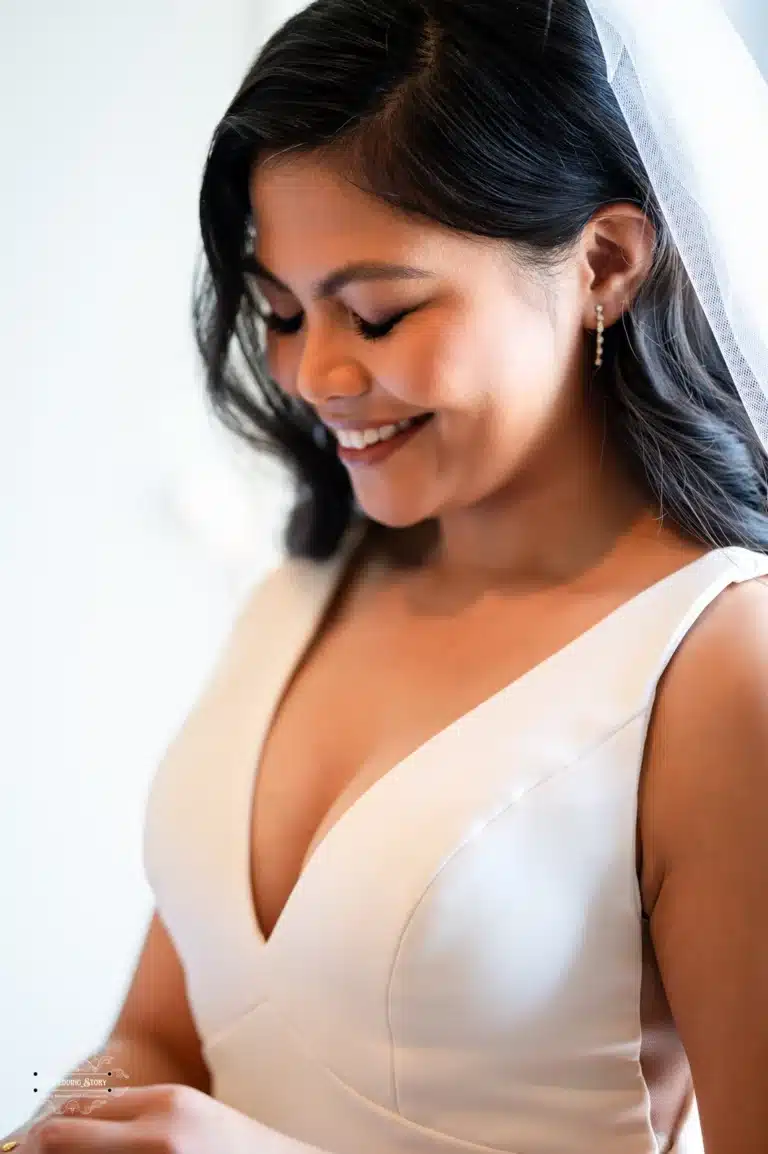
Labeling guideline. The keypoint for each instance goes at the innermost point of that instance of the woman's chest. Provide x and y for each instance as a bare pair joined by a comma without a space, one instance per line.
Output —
366,698
455,900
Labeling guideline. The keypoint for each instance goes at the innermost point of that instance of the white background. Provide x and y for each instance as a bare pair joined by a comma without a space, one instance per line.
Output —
110,610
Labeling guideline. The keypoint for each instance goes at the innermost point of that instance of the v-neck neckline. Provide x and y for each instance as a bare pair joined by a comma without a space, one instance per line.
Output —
323,604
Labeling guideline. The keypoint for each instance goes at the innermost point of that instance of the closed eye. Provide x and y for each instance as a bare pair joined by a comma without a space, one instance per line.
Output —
285,325
377,332
370,332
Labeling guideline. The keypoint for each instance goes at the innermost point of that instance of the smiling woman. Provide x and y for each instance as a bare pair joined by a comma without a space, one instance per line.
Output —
404,168
472,854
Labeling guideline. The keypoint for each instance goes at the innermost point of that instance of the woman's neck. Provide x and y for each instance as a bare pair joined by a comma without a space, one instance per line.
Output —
552,522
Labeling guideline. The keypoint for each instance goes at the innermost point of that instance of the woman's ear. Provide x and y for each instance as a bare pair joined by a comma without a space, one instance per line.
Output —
617,248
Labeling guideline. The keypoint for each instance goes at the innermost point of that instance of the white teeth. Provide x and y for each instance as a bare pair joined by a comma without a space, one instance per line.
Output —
363,438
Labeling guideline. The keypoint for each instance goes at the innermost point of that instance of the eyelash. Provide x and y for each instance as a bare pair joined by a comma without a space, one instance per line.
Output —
287,326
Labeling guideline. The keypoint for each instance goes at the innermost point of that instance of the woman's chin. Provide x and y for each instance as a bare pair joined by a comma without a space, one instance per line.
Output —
391,521
395,514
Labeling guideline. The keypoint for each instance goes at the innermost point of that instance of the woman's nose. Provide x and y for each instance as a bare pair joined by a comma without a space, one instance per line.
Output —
326,372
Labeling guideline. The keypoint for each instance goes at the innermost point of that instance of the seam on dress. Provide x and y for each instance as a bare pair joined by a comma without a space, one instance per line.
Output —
398,1118
470,838
231,1024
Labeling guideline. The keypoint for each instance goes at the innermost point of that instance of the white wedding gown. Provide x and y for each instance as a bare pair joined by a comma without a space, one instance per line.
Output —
459,966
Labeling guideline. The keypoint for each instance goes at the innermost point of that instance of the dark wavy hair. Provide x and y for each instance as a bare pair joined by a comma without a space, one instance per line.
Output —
495,119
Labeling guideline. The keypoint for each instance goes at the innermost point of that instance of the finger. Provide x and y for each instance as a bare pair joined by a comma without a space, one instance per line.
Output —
81,1106
121,1125
66,1135
133,1102
122,1104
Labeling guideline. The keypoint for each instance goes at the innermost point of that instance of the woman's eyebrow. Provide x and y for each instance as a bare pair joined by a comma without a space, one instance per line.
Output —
354,271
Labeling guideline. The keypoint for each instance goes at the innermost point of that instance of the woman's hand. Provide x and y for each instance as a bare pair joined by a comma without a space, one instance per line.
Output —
173,1119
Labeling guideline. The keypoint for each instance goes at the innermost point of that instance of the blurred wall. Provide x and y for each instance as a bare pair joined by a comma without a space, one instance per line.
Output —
128,531
751,18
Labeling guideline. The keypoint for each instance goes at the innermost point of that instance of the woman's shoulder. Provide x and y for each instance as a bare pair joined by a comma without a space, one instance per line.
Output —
723,663
705,854
706,757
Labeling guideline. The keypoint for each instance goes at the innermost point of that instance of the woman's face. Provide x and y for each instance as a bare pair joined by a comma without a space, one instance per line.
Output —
469,345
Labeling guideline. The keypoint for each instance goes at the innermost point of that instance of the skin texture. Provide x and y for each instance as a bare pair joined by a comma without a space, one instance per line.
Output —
704,801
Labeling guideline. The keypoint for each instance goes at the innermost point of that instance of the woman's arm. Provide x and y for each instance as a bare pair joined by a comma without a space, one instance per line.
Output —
704,822
146,1060
154,1039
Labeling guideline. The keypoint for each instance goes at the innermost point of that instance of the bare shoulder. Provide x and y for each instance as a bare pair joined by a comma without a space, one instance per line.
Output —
707,748
703,807
721,664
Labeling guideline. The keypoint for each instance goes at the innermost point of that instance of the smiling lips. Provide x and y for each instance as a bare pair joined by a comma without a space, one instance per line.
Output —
376,443
363,438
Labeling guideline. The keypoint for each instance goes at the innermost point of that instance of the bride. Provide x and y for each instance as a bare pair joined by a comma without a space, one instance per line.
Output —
463,846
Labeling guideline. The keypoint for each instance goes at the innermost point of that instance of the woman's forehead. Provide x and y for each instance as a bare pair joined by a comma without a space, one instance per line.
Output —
307,213
307,192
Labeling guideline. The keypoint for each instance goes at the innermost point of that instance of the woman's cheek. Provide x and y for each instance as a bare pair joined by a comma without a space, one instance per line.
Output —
281,364
442,370
416,373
